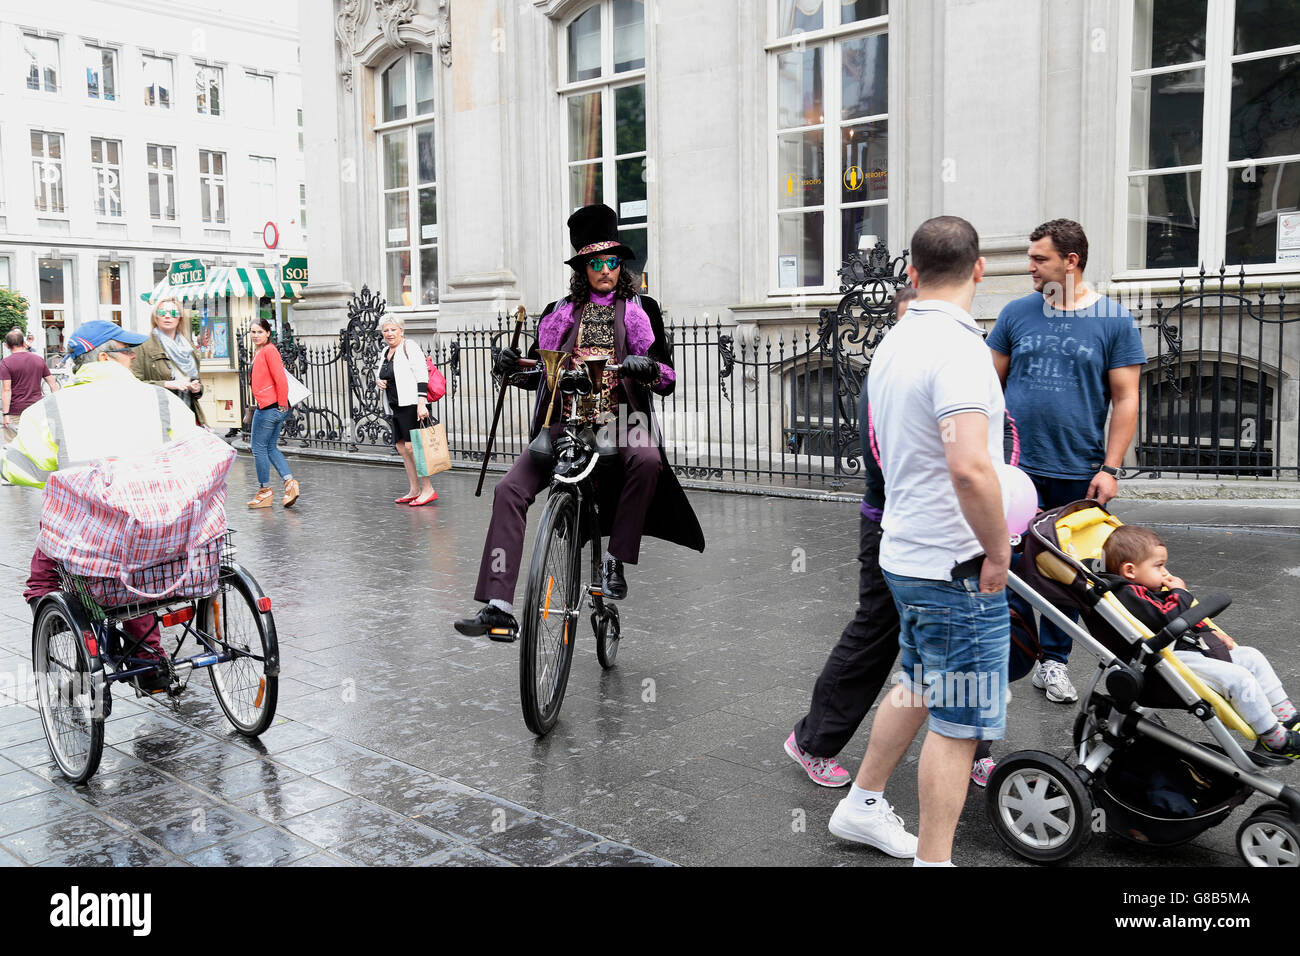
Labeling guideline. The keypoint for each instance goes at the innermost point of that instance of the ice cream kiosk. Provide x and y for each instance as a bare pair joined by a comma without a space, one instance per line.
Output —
217,304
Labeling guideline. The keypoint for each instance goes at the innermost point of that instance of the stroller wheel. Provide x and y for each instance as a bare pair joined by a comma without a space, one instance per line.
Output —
1269,838
1039,806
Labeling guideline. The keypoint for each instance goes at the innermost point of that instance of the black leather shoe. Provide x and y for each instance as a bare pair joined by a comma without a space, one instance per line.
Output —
492,621
615,583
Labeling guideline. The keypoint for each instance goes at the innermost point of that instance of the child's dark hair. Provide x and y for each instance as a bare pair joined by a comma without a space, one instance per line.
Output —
1129,544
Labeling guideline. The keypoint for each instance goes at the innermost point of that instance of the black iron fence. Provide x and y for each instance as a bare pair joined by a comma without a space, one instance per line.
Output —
1219,393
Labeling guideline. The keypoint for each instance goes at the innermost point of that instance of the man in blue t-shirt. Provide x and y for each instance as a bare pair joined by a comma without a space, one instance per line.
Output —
1066,356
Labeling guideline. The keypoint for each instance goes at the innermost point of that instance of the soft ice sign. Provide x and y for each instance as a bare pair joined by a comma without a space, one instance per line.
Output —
295,270
186,272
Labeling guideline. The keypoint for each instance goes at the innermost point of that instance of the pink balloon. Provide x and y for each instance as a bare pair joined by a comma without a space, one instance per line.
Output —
1019,498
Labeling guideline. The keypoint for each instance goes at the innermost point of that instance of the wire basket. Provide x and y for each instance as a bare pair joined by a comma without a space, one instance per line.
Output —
199,574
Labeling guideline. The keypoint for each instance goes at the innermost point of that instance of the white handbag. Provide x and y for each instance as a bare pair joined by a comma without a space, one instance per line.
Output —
298,392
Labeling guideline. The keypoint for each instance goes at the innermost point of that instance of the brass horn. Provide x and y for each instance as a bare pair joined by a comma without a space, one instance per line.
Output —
542,448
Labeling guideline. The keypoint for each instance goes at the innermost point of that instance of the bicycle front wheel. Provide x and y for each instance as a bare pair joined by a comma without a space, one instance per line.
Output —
70,693
550,618
247,686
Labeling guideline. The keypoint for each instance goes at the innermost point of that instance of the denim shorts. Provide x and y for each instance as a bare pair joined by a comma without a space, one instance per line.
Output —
954,644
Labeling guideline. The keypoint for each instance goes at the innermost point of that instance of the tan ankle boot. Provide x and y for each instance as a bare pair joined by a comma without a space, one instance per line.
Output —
263,499
291,492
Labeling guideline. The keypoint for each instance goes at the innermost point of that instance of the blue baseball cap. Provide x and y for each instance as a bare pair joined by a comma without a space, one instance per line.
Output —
91,335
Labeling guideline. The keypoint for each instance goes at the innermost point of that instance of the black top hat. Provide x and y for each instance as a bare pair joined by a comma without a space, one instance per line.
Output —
593,230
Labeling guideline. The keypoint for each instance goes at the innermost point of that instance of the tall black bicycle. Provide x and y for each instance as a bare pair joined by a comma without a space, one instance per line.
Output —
556,592
81,651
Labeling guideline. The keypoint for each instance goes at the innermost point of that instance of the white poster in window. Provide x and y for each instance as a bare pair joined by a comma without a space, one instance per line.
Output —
429,231
787,272
632,210
396,236
1288,237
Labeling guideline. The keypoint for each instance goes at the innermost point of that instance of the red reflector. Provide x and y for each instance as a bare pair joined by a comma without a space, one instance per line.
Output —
92,645
264,604
179,616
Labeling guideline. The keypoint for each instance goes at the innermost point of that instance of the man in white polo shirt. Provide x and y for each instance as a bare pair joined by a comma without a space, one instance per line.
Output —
945,550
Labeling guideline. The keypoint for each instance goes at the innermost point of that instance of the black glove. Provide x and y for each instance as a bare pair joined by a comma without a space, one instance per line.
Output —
639,368
507,363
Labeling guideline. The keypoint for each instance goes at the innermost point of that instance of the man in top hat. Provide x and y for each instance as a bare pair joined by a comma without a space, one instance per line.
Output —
601,317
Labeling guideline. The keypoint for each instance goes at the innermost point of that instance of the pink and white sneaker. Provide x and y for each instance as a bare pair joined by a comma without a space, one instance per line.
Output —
981,770
824,771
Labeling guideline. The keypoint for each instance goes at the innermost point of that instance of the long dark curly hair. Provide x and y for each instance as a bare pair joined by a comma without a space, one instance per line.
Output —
580,288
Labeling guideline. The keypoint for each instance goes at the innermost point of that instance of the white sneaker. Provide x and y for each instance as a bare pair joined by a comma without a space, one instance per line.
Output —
877,826
1052,677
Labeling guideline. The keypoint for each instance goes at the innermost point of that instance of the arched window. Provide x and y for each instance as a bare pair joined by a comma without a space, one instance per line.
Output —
1209,415
408,182
603,83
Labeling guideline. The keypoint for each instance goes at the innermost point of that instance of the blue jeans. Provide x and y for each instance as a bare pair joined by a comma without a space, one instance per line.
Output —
1052,493
953,644
267,423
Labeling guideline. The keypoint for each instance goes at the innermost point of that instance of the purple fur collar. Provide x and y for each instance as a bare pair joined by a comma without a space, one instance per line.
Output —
551,333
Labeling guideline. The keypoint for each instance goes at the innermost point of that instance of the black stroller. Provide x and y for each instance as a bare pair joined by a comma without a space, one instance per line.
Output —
1131,775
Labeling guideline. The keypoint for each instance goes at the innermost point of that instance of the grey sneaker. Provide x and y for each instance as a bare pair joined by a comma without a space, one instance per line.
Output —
1052,677
877,826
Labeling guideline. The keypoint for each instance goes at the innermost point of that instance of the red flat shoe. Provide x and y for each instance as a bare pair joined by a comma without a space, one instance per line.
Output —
405,499
418,502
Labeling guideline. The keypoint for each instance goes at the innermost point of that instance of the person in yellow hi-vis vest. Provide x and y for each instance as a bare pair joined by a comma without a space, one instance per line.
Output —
105,413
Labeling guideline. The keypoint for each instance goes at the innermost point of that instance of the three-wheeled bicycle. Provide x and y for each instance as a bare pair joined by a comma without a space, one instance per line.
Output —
81,651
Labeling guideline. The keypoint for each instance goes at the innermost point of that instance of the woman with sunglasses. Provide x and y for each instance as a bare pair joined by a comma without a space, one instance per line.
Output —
271,396
168,359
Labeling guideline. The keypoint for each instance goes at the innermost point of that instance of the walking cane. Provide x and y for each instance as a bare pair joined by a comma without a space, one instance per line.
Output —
521,314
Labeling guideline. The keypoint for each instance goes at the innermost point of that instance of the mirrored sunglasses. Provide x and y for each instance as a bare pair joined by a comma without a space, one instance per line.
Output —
603,262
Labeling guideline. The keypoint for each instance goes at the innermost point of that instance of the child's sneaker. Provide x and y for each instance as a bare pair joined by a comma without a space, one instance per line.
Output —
1289,748
981,770
824,771
877,826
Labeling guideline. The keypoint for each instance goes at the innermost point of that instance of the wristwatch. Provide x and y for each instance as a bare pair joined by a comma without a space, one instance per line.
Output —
1113,472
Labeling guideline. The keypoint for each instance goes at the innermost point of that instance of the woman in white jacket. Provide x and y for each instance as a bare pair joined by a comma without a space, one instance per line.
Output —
403,380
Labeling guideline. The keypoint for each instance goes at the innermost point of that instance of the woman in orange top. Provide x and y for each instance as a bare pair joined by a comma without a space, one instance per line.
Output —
271,395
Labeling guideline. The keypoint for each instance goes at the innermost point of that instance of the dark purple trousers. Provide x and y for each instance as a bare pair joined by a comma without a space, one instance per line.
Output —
44,579
504,548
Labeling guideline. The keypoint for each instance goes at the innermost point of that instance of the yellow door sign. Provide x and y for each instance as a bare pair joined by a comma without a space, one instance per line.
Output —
853,178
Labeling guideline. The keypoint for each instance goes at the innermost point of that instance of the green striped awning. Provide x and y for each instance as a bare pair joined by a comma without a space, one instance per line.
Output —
239,281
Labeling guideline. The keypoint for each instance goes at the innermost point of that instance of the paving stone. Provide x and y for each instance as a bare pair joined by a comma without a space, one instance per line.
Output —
396,846
342,823
260,775
264,847
464,856
472,819
290,799
537,842
56,839
193,830
118,852
324,755
36,810
611,855
20,783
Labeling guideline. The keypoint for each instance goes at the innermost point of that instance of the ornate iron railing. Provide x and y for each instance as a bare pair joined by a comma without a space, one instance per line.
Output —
1219,392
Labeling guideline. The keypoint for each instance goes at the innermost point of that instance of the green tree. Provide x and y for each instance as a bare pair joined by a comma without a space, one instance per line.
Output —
13,312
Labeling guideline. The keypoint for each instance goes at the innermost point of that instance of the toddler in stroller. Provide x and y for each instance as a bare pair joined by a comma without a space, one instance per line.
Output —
1131,774
1240,674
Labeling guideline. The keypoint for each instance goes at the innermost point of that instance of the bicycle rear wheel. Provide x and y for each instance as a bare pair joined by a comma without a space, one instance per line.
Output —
247,687
69,692
550,618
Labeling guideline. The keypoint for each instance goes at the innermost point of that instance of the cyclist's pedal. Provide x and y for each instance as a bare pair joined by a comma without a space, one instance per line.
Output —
504,635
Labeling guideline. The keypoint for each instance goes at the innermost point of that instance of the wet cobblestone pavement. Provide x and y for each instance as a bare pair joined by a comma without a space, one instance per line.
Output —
399,742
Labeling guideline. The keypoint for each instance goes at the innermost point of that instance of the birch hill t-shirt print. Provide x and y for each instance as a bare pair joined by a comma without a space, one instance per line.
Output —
1058,387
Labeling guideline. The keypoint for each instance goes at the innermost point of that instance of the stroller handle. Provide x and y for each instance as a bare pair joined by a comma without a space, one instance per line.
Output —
1212,606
